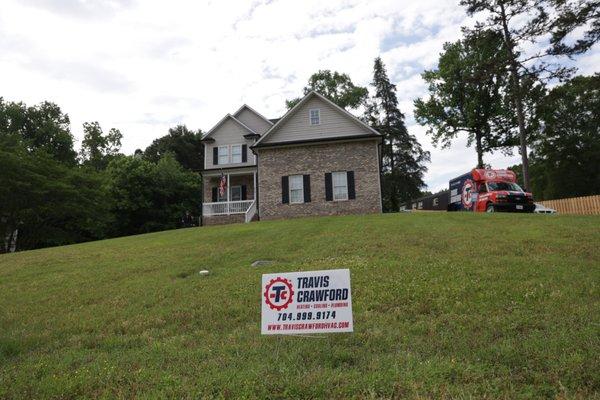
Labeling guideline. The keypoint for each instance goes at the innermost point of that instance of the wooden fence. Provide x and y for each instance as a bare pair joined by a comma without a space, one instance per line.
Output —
588,205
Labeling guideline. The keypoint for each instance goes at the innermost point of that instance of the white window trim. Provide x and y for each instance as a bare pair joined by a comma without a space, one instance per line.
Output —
333,185
219,154
318,110
231,146
290,189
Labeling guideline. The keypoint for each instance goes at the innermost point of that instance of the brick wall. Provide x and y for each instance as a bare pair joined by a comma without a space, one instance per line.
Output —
223,219
315,160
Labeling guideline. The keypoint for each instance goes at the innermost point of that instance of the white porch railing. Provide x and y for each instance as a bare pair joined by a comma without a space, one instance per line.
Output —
251,212
226,207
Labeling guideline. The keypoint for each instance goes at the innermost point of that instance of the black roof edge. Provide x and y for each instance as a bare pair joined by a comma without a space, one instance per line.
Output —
311,141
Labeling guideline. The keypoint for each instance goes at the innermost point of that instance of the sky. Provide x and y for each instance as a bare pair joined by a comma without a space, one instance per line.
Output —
145,66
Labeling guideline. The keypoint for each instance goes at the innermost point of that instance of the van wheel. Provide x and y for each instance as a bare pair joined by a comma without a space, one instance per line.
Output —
490,208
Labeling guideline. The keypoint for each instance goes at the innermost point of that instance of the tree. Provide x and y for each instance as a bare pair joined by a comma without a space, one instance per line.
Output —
466,94
43,127
48,203
337,87
150,196
183,143
575,15
520,22
98,149
568,149
403,159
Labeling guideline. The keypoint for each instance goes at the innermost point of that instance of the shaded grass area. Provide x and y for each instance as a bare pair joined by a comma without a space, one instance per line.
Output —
452,305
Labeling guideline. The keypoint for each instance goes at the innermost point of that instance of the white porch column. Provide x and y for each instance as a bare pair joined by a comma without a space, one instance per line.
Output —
228,191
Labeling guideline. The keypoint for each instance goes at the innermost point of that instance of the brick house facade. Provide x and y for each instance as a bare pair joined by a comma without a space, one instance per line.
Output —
358,157
316,160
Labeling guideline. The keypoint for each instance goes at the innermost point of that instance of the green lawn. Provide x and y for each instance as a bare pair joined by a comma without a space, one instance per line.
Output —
453,305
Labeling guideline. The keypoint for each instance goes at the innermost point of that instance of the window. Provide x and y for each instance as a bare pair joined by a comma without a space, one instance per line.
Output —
236,154
223,155
296,189
504,186
436,201
340,185
482,188
315,116
236,193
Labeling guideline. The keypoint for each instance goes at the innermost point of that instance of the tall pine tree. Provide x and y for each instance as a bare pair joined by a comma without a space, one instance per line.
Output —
403,159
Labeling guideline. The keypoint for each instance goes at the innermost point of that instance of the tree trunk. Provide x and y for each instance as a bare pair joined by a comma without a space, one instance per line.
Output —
518,101
479,149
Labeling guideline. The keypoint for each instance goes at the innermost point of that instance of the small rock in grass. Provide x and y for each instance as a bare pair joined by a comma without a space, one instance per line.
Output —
203,272
260,263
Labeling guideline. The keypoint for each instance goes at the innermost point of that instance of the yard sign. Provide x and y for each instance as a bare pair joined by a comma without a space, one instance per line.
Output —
306,302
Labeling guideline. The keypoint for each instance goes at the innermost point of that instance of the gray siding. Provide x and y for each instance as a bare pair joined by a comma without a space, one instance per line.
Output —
230,132
253,121
333,124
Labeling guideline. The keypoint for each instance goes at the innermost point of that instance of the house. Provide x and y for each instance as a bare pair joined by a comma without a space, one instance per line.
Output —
317,159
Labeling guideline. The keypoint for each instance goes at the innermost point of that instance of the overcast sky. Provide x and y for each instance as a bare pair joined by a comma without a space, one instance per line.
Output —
145,66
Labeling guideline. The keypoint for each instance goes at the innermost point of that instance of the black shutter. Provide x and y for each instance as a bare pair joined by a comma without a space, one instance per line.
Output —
285,190
215,155
351,190
328,187
243,192
244,153
214,194
306,185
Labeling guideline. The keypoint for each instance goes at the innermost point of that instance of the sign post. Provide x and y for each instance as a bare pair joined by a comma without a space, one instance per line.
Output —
306,302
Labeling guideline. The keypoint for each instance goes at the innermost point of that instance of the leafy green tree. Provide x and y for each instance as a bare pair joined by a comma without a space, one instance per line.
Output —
46,202
98,149
151,196
564,160
521,22
183,143
337,87
466,94
42,127
403,159
568,149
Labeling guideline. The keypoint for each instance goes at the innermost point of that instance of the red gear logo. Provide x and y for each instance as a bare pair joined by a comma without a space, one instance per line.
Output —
279,293
490,174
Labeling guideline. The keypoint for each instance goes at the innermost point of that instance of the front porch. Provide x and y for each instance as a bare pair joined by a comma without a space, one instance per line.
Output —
237,204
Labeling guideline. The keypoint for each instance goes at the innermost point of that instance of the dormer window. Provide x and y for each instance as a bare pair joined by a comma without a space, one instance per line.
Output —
315,116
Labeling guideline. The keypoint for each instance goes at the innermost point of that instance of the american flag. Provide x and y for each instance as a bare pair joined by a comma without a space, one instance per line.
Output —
222,185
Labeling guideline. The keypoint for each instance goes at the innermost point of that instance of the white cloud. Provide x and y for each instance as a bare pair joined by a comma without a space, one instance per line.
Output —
147,65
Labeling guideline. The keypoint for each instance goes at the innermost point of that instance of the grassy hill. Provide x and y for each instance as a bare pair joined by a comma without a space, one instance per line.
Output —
445,305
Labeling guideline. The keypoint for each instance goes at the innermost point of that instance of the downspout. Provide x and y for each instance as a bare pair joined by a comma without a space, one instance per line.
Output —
256,192
379,149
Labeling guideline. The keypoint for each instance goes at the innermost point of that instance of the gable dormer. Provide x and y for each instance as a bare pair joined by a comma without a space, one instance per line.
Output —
315,118
227,144
253,119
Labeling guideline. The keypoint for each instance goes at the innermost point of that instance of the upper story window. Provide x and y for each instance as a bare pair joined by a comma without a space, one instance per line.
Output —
296,189
223,154
236,153
340,185
315,116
